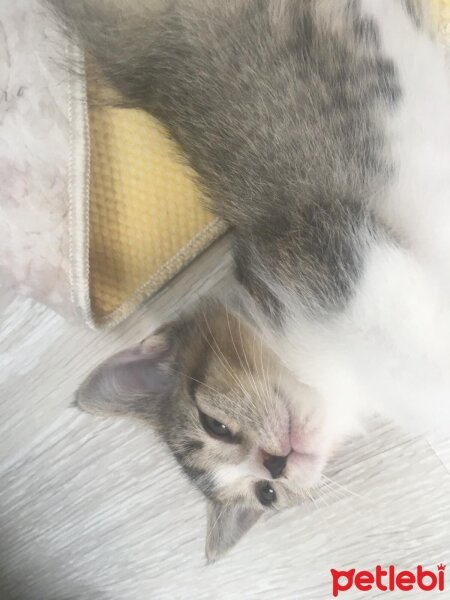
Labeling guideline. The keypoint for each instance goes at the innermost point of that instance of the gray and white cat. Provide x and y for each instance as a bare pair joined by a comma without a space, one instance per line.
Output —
320,129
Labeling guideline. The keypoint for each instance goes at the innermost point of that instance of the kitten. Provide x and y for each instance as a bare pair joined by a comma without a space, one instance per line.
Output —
226,407
320,131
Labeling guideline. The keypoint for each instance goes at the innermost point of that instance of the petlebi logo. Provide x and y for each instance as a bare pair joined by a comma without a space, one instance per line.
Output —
388,580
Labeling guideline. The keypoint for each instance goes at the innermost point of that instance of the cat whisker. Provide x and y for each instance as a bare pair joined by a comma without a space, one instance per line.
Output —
332,482
194,379
322,517
221,357
261,375
236,350
248,371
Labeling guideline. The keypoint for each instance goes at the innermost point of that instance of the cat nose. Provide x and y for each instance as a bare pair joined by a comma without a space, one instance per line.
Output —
275,465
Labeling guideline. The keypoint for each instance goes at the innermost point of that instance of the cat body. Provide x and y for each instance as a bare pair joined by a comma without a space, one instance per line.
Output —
320,132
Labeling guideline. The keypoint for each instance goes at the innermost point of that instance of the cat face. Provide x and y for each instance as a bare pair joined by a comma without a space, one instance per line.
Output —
248,435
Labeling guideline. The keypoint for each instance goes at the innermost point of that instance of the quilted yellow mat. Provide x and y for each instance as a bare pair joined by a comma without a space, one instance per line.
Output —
147,219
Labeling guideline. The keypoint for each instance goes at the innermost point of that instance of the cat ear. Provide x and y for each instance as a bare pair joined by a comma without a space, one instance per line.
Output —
227,523
134,382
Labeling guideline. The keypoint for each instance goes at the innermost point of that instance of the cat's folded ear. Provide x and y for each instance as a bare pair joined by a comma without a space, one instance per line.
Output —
134,382
226,524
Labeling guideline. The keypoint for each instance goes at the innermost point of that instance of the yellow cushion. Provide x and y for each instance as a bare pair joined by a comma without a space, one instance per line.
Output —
147,218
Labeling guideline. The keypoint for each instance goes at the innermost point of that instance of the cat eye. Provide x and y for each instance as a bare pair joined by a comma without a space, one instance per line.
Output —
265,493
215,428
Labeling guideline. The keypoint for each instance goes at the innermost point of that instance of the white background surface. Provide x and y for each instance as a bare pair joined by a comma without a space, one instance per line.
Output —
96,509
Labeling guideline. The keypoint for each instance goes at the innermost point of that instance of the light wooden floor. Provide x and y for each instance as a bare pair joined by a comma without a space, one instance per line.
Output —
95,509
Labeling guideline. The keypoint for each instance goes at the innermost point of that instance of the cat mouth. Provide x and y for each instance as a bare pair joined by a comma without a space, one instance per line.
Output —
304,468
302,458
307,456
